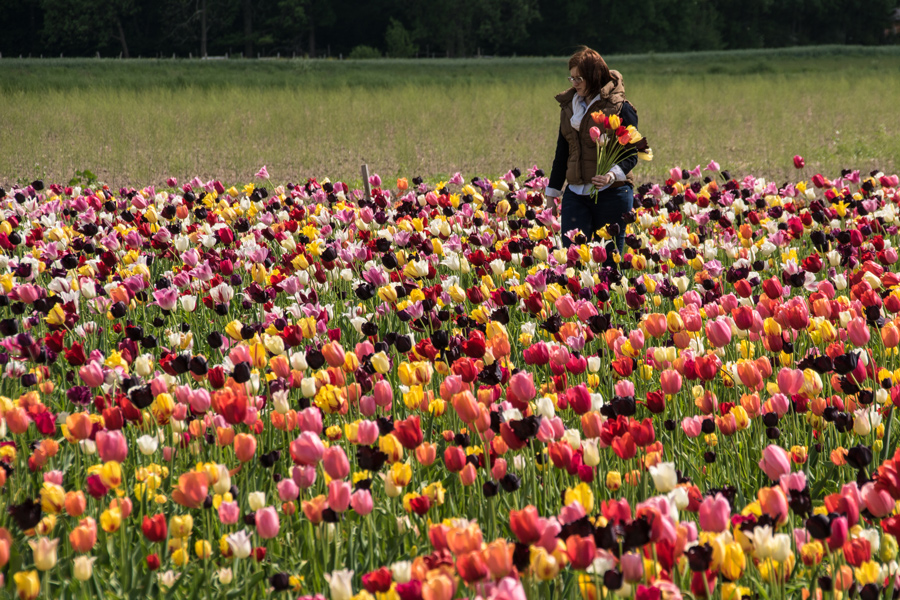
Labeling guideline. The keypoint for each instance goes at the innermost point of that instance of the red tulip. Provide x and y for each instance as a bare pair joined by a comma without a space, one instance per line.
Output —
799,163
377,581
409,432
525,525
624,446
155,528
581,551
471,567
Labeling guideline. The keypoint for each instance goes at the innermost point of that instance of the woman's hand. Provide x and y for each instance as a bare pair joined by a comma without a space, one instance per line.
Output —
602,180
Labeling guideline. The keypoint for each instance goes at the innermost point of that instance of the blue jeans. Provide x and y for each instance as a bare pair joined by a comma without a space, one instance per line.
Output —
582,212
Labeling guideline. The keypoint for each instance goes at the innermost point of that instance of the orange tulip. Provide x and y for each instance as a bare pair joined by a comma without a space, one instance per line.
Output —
84,536
466,406
191,490
17,420
426,453
79,425
498,558
244,447
464,539
75,503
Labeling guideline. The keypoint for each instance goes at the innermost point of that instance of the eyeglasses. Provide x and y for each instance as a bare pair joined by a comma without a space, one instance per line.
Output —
576,79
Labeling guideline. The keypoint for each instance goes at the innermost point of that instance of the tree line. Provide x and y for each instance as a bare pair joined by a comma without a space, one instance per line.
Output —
428,28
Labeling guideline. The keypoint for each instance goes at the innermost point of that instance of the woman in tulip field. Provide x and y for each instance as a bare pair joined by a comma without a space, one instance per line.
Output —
298,391
596,167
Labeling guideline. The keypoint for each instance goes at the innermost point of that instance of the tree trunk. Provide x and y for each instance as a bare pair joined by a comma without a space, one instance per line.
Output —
122,37
203,29
312,37
248,28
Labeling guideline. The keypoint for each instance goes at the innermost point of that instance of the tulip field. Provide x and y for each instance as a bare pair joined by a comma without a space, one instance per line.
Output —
260,389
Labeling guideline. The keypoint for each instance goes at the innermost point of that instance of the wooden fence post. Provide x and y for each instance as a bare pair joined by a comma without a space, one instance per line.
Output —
365,176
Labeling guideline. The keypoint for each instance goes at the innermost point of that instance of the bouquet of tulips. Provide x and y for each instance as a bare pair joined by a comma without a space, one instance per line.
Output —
616,142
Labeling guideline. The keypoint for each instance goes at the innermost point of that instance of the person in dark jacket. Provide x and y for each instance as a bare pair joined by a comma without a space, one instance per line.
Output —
594,88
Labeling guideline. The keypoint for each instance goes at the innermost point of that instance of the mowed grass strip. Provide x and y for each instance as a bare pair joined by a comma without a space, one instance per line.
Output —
138,122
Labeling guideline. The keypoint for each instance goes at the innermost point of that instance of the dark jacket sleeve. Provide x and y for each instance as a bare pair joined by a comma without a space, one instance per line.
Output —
629,117
560,162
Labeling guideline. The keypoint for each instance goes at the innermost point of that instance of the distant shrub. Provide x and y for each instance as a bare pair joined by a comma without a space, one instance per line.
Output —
398,41
364,52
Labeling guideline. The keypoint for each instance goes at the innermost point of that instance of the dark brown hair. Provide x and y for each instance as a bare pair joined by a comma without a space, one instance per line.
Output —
592,67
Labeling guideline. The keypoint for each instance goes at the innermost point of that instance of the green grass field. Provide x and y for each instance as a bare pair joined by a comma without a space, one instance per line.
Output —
137,122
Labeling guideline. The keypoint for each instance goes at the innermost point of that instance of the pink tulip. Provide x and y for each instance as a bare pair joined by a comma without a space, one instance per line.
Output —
522,386
499,468
166,298
267,524
790,381
839,532
636,337
632,566
670,381
793,481
718,332
339,495
780,404
595,134
361,502
54,477
200,401
858,332
335,462
229,513
468,474
877,500
384,394
310,419
624,389
775,462
571,513
367,405
307,449
91,374
585,310
304,476
559,355
692,426
715,513
288,490
566,306
27,293
366,433
111,445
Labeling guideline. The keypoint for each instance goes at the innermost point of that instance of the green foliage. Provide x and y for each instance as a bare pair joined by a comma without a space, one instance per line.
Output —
398,42
451,28
83,177
363,53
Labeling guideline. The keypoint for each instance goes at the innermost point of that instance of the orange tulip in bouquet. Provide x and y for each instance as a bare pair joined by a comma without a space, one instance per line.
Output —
616,142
